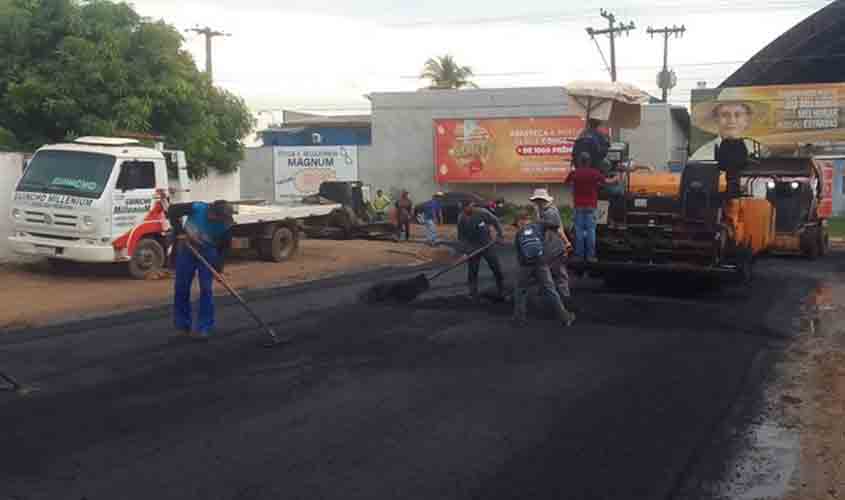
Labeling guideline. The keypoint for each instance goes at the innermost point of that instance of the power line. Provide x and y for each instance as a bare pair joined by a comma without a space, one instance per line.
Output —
665,78
209,34
580,16
611,31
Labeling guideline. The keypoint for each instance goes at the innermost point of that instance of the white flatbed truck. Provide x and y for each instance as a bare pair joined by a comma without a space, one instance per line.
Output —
96,200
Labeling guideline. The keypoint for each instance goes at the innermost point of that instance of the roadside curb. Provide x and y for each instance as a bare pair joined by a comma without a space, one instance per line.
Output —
161,310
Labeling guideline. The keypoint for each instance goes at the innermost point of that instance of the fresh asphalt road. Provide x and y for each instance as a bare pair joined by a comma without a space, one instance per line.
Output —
438,399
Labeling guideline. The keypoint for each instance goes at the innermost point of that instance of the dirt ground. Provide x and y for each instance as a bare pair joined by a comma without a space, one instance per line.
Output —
42,296
812,396
34,295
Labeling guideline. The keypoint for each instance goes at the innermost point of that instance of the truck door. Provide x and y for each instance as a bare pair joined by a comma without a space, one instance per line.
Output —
134,195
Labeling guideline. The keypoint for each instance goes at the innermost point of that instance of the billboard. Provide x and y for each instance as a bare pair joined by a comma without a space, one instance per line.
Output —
827,168
504,150
780,117
299,170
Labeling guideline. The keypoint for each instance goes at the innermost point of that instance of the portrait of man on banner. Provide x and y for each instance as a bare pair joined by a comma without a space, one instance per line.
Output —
726,117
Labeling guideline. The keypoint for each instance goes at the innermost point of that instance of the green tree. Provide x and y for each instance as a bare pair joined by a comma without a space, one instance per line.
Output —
444,73
71,68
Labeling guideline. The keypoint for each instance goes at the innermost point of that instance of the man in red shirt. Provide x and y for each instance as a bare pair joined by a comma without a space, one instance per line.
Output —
586,181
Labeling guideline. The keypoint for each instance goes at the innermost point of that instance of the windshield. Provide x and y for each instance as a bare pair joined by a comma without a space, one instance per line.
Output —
74,173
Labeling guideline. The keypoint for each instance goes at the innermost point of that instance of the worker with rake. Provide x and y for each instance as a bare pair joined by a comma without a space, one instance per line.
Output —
208,230
474,233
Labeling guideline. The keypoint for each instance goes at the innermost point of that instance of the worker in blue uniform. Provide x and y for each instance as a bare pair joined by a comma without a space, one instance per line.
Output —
207,228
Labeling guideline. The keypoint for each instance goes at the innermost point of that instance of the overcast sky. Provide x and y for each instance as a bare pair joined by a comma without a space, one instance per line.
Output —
323,55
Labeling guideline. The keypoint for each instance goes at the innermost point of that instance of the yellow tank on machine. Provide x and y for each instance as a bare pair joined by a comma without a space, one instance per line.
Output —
681,223
753,223
752,220
646,183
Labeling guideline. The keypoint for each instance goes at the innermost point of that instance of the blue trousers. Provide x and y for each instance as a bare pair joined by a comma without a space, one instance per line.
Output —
431,232
186,267
585,232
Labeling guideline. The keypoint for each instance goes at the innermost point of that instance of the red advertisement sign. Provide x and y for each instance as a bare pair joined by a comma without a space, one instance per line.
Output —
825,208
505,150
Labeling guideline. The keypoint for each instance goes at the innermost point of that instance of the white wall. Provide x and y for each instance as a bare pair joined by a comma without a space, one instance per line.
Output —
215,186
650,143
11,167
659,139
402,152
256,174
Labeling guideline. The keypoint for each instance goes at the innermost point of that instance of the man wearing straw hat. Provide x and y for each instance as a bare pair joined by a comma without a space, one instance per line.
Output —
557,245
729,117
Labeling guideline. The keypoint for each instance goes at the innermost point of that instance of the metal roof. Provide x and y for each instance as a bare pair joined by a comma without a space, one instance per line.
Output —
813,51
328,121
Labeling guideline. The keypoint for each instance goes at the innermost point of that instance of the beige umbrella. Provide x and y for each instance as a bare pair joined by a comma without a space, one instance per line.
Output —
615,103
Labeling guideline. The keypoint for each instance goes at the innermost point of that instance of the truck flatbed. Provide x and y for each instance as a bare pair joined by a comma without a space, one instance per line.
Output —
257,214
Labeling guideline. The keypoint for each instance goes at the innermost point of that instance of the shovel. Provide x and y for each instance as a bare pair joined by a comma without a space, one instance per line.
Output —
404,291
15,386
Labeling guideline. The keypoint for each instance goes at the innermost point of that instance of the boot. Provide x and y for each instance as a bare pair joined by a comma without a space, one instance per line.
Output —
474,297
500,291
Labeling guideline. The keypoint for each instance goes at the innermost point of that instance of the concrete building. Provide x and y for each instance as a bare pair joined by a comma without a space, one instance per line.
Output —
662,139
403,150
402,128
402,155
303,150
301,129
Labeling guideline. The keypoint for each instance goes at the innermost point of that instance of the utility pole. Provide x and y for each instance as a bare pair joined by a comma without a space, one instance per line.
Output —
666,79
209,34
612,30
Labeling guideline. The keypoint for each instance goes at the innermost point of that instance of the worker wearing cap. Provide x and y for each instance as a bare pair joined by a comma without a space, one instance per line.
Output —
474,233
208,230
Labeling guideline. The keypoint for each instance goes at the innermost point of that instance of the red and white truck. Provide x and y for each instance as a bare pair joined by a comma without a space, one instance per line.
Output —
97,200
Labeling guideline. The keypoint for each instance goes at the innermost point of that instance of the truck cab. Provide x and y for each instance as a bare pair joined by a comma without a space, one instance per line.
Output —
93,200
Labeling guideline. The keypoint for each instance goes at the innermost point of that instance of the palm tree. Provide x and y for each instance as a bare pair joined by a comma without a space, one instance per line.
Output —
445,73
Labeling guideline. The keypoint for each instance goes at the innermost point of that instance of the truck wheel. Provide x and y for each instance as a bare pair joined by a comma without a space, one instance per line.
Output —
281,247
342,220
811,244
147,257
824,242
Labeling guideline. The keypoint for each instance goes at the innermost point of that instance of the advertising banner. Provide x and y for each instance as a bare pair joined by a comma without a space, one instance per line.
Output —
298,171
827,168
504,150
780,117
